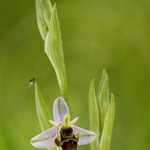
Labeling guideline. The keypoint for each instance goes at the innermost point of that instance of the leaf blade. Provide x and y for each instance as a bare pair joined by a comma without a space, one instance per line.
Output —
40,20
108,126
42,110
103,98
94,115
46,9
54,51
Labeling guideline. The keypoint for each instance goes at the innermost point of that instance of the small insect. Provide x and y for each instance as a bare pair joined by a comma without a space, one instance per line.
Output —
31,82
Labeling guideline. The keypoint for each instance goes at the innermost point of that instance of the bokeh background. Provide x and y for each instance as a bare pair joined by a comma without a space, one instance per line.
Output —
96,34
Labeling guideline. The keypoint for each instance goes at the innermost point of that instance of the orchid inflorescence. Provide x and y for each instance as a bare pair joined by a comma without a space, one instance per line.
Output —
64,133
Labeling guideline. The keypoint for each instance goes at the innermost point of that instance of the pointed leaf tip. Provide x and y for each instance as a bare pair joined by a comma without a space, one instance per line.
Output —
42,110
43,13
46,9
103,97
108,126
54,50
94,115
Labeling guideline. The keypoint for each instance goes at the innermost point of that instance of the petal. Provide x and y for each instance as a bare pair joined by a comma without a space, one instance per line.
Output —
60,108
74,120
86,136
45,139
56,124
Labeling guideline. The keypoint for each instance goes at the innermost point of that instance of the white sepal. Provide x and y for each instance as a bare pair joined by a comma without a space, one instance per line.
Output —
45,139
86,136
60,108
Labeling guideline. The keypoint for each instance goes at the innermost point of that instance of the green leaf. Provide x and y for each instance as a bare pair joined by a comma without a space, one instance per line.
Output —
43,12
46,9
103,98
108,126
94,116
40,20
42,110
54,51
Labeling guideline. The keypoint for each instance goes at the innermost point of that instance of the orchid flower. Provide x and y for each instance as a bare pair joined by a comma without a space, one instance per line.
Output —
64,132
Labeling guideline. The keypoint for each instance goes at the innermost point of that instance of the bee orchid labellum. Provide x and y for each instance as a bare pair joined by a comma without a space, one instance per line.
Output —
66,139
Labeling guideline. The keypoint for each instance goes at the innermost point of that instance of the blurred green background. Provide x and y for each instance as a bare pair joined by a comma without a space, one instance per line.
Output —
96,34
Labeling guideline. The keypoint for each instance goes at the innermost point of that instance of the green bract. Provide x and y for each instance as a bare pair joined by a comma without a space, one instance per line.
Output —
49,28
42,110
108,126
43,13
54,51
94,115
101,114
103,98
